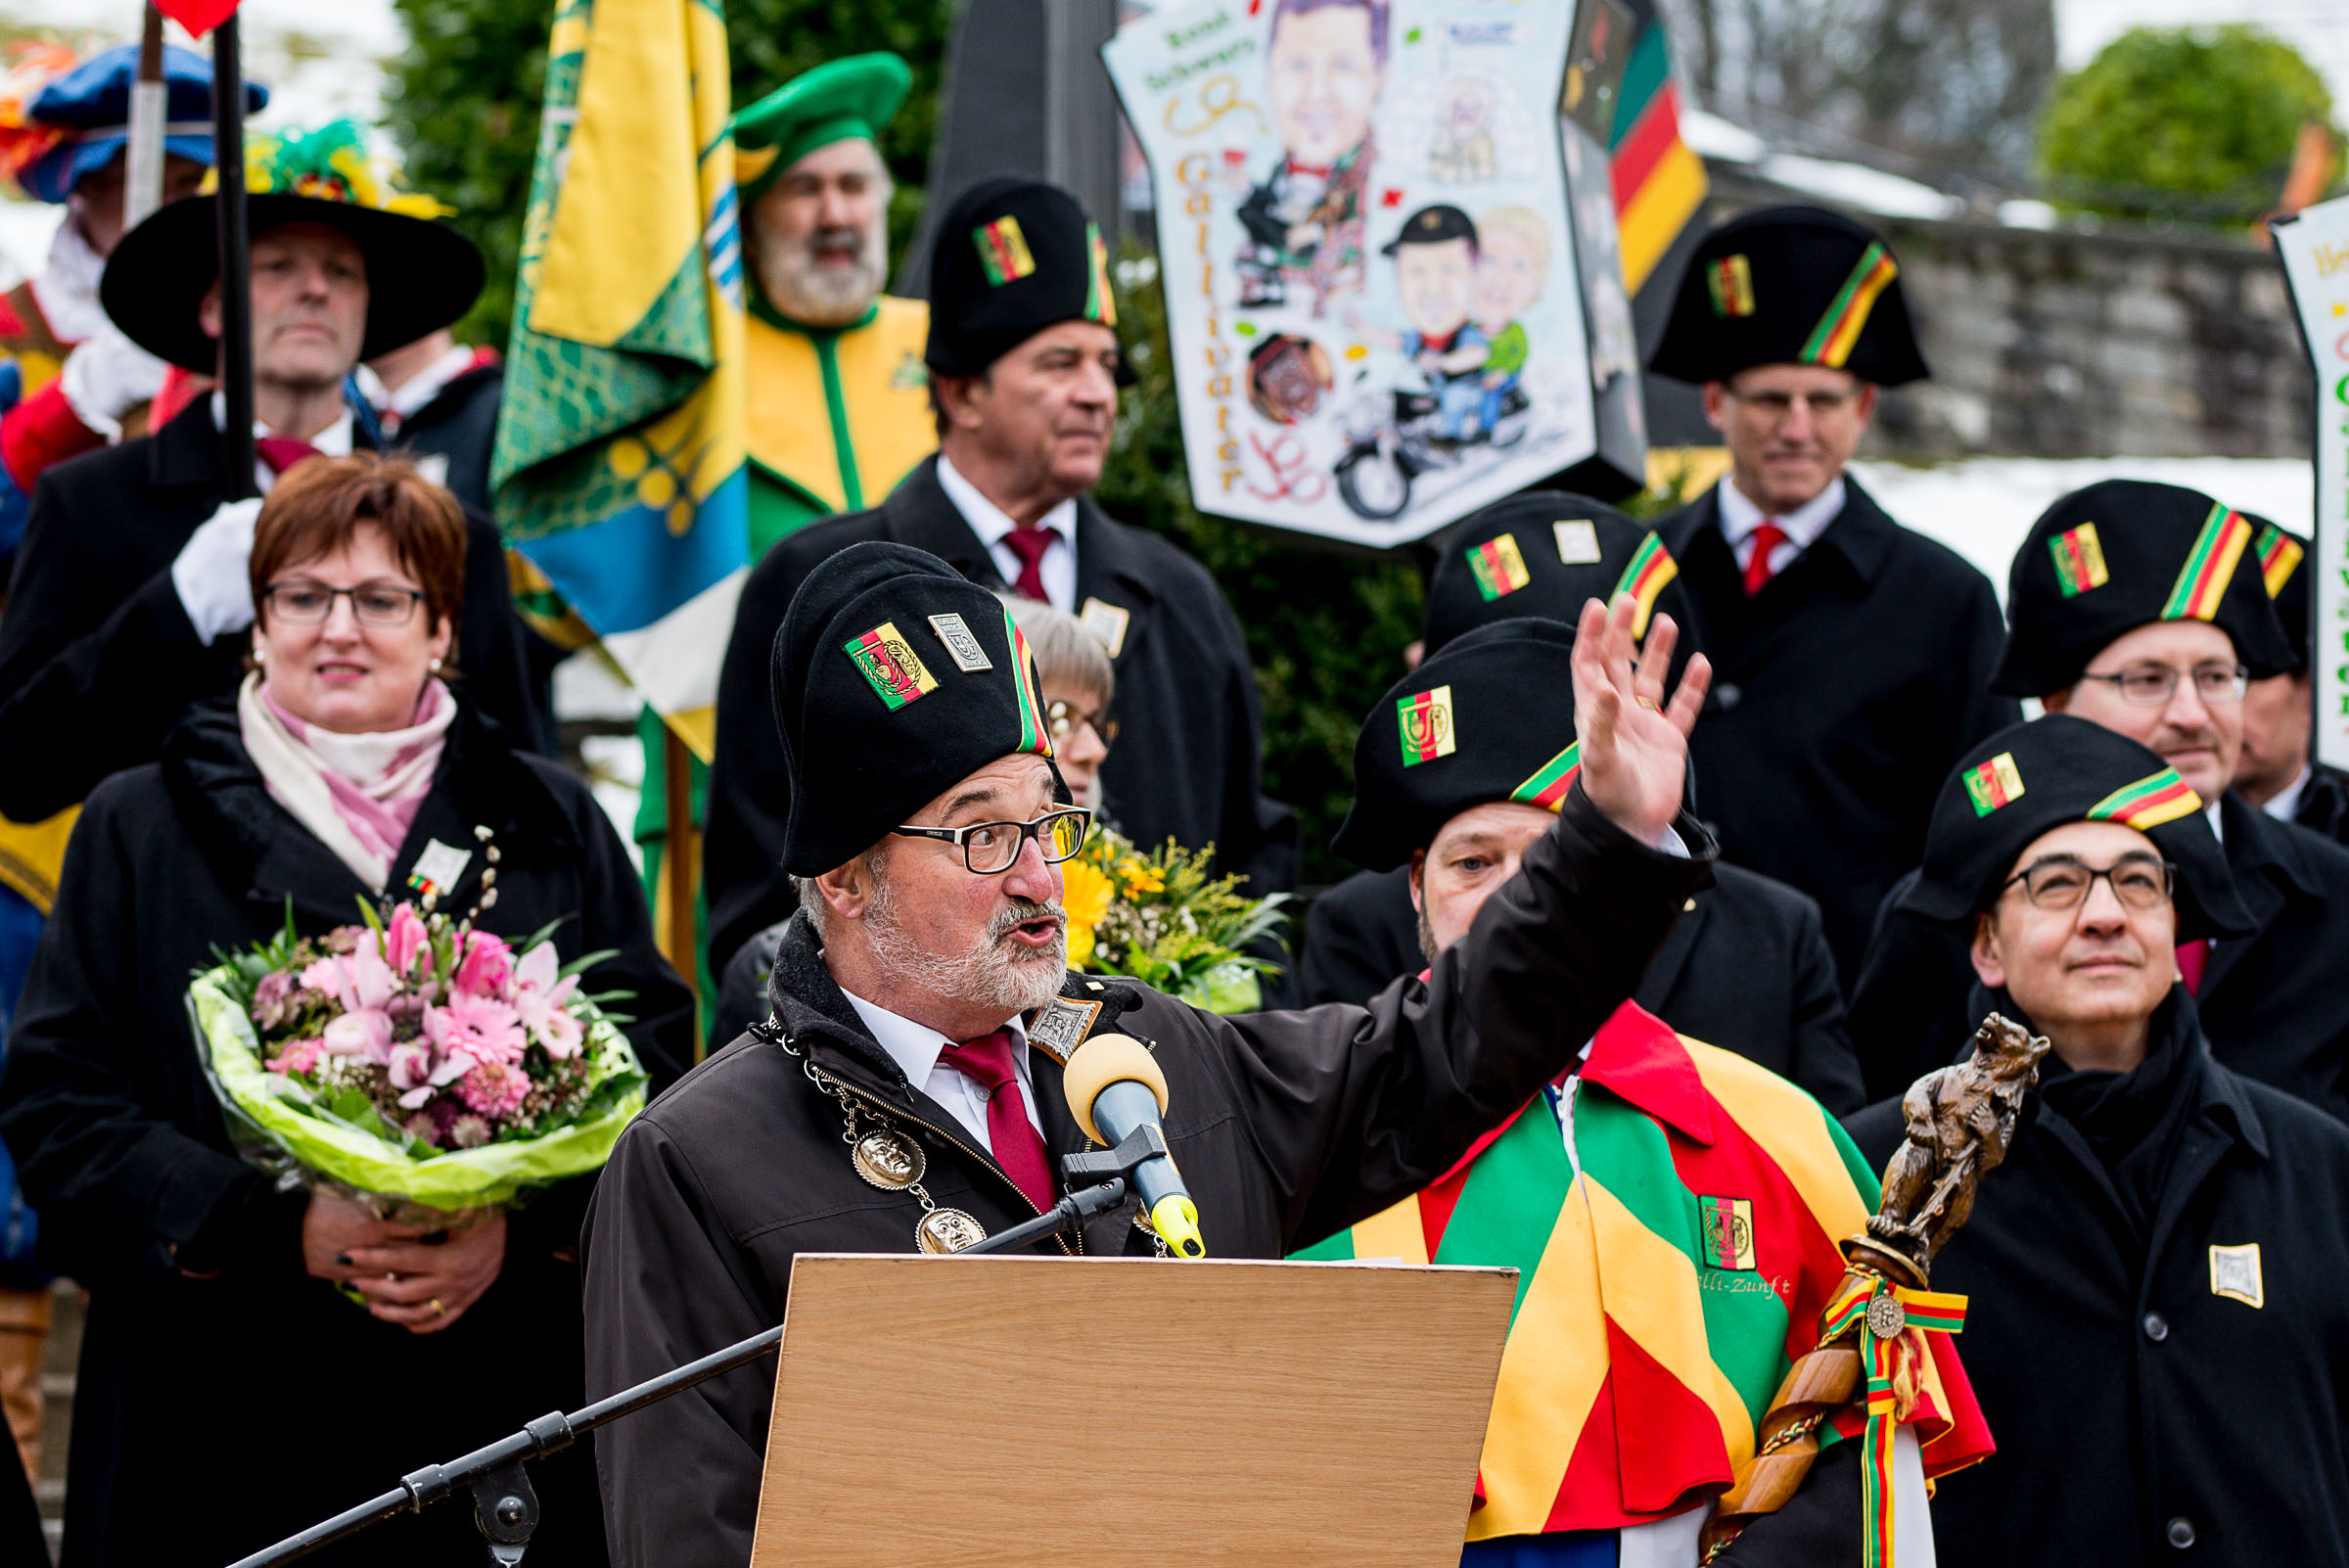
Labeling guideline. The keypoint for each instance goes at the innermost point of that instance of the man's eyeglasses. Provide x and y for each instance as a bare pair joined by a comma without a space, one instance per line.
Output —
989,848
381,605
2158,683
2139,880
1063,718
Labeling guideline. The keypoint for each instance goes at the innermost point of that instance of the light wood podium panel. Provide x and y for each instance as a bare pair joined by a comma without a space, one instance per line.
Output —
953,1413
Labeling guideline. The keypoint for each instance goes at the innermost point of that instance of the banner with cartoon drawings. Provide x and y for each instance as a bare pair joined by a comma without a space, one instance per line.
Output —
1368,255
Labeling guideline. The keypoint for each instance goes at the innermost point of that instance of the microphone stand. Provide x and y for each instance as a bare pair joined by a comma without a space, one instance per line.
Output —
506,1506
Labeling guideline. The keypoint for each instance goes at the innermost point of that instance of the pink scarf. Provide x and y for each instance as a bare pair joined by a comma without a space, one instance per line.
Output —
357,794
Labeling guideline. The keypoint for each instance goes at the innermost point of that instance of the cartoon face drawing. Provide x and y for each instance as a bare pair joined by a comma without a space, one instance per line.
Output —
1437,286
1511,266
1322,74
1471,110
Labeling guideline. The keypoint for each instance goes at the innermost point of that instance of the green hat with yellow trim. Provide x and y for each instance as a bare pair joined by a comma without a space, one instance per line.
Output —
2032,778
1489,718
1790,285
837,101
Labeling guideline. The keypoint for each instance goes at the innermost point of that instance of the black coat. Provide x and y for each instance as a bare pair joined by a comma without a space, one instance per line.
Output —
305,1404
2274,1004
1842,695
1287,1127
2140,1417
2323,804
96,659
1187,759
1746,969
459,428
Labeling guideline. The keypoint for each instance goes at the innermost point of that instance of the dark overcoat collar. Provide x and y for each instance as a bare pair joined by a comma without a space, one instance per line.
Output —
1858,538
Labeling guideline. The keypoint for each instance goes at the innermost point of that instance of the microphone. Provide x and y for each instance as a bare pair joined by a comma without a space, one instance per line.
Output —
1115,1086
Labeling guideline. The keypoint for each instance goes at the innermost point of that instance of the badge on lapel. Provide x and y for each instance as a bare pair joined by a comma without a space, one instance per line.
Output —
2235,1274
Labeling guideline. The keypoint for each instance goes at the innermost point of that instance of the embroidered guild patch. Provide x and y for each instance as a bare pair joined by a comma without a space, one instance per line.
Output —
1498,567
1725,1229
896,673
1731,281
1425,722
1003,250
1994,784
2079,560
1061,1027
2235,1274
962,646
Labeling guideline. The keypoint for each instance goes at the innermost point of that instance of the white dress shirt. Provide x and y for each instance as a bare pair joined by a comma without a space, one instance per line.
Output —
916,1047
332,441
990,523
2286,800
1740,516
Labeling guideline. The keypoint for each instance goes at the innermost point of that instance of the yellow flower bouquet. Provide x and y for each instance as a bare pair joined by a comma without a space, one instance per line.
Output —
1160,918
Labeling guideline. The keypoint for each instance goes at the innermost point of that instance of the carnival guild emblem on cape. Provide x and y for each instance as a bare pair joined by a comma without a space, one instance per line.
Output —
1725,1227
1061,1027
1425,721
962,646
1994,784
2235,1274
896,670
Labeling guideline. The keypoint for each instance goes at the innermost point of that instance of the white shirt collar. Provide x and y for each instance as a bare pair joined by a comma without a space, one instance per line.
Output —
422,388
989,521
1803,525
2285,802
913,1046
332,441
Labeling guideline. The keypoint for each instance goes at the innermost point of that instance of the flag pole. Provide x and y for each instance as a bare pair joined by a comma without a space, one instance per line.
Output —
143,158
680,857
236,269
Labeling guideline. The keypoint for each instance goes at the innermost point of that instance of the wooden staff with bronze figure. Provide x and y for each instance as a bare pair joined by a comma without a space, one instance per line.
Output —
1960,1122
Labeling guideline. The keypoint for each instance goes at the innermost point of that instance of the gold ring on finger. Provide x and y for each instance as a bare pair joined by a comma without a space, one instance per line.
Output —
436,1305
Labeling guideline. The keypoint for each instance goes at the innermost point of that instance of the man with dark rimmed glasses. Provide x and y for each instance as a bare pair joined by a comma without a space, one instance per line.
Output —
2156,1328
2144,608
906,1090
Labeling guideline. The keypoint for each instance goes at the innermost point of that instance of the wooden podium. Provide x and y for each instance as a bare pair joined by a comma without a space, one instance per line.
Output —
947,1412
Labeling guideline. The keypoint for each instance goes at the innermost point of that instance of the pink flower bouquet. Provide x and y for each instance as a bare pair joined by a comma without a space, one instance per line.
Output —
415,1060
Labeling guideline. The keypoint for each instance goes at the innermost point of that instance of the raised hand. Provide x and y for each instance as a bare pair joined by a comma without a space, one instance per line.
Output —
1634,744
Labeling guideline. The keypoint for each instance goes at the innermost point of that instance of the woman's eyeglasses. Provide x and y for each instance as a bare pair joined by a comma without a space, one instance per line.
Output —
1063,718
379,605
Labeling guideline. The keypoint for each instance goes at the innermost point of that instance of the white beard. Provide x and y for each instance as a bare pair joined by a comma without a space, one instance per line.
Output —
821,293
981,976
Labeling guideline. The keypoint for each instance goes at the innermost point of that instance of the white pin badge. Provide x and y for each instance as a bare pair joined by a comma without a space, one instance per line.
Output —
1106,622
1578,541
2235,1274
962,646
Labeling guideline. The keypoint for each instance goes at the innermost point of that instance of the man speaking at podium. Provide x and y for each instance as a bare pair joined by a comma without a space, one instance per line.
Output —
906,1093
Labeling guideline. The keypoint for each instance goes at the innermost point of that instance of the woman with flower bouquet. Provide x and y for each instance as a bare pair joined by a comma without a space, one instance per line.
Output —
328,1232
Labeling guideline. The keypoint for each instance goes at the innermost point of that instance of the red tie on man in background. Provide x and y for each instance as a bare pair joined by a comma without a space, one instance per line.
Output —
281,453
1758,569
1030,545
1019,1148
2193,957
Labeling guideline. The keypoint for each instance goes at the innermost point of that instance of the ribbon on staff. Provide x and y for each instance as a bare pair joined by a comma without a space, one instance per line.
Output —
1891,1321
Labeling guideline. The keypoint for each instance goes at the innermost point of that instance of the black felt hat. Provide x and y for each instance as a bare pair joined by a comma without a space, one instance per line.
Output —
895,677
1546,553
1432,225
2029,780
2281,554
1790,285
1012,258
2122,554
1489,718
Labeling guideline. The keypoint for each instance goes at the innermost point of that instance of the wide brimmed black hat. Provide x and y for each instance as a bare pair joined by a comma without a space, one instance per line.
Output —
2280,553
2029,780
1012,258
1489,718
895,677
1546,553
421,276
1790,285
2122,554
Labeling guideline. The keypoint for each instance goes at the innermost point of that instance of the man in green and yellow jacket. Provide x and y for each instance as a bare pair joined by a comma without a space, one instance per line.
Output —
839,406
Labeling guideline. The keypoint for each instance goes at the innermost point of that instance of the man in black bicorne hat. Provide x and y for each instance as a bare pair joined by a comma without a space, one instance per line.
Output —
1854,655
2143,607
2155,1327
921,1002
131,590
1746,968
1024,366
2278,772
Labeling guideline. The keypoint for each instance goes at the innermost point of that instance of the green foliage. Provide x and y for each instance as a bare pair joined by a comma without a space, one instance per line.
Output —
1326,627
2193,122
466,97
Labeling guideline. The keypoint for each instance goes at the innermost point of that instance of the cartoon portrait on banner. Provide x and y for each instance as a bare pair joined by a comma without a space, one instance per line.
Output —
1368,257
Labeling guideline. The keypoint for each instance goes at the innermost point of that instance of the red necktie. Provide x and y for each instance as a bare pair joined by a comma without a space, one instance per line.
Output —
1767,540
1030,545
281,455
2193,957
1018,1147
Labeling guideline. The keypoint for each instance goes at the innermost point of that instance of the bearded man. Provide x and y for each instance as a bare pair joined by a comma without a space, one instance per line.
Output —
839,402
922,995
